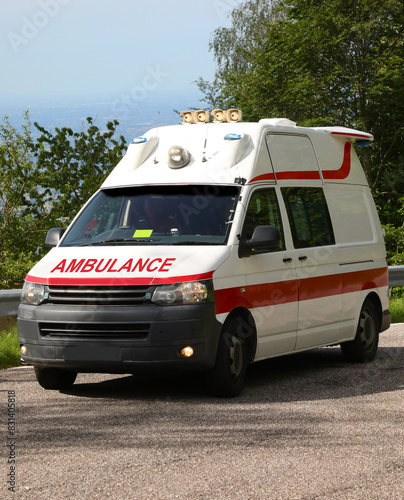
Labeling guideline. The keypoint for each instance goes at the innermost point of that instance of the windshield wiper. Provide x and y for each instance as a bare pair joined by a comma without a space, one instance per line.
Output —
118,240
194,243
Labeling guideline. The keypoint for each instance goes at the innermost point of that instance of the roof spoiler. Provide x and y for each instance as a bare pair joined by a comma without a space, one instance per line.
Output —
361,138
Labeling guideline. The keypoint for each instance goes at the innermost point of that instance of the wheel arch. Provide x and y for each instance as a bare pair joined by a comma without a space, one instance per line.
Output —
244,316
375,299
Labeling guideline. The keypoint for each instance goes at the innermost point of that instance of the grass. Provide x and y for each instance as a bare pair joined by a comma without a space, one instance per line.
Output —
10,349
397,309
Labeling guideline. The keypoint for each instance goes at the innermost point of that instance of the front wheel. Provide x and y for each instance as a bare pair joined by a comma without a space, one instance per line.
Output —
364,346
54,378
226,378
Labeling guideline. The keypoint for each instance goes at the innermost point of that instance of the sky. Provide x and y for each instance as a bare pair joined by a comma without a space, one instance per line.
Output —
64,49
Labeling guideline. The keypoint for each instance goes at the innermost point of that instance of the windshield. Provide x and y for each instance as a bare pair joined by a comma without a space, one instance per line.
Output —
156,215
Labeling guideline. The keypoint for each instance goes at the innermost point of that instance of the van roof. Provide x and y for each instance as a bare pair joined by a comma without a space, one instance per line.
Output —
224,153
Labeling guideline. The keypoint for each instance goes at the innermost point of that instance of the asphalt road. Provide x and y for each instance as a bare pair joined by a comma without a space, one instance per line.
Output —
306,427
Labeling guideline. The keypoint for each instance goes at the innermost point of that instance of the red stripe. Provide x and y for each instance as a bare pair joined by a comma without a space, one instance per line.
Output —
283,292
180,279
320,286
340,173
273,293
261,295
343,171
33,279
308,174
106,281
228,299
362,136
263,177
293,174
365,280
323,286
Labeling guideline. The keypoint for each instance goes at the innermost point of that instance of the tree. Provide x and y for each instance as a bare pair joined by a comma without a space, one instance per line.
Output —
317,62
44,183
234,49
22,211
74,164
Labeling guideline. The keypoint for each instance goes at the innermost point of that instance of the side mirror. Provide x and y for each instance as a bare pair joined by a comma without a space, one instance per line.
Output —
263,237
53,237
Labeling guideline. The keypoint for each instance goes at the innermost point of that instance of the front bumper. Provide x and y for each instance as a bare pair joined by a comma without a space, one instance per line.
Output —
118,339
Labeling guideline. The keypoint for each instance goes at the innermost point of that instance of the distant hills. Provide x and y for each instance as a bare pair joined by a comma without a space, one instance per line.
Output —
134,115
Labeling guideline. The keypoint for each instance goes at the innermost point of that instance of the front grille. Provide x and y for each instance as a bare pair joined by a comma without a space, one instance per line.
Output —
100,295
112,331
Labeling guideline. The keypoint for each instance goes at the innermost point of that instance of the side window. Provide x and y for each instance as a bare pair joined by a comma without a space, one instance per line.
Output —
263,210
309,217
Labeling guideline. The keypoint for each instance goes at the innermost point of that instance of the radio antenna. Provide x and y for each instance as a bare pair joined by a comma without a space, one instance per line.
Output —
206,141
157,135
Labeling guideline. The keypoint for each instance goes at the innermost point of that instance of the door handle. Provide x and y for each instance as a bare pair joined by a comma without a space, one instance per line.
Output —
288,259
303,257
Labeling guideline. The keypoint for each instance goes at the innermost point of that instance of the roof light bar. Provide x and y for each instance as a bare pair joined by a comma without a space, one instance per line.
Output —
219,116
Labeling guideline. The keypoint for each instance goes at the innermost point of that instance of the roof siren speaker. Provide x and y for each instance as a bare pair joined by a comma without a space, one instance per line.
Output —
233,115
187,117
200,116
218,115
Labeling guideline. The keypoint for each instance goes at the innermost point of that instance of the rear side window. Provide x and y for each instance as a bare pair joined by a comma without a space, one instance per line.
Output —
309,217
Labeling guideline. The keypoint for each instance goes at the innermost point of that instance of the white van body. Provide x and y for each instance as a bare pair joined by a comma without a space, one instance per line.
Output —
122,294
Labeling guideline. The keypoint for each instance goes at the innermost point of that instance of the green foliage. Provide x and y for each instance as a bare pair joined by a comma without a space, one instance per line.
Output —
321,63
14,267
396,308
23,213
75,164
394,239
9,349
234,50
44,183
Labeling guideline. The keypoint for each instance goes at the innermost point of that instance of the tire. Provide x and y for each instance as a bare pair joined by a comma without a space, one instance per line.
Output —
54,378
226,378
364,346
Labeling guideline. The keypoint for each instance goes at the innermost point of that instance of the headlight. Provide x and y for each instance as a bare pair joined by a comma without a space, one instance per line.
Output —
32,293
192,292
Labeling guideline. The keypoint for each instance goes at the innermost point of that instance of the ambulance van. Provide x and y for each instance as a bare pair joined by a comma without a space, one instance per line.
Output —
211,245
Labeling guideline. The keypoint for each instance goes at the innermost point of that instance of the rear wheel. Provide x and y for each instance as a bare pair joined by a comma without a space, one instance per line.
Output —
226,378
54,378
364,346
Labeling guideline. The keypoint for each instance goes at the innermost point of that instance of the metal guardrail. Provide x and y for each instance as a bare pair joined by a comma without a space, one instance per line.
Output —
10,299
9,302
396,276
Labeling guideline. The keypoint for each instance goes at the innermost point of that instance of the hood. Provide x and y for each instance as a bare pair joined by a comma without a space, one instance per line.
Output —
148,265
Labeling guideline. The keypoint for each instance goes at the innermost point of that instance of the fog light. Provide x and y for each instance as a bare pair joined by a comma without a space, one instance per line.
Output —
187,352
23,350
